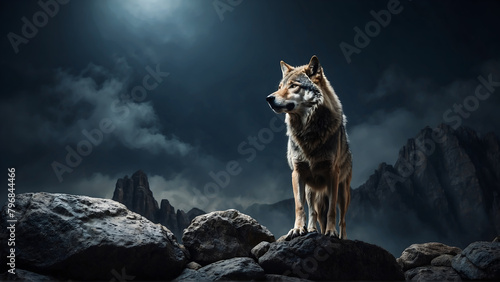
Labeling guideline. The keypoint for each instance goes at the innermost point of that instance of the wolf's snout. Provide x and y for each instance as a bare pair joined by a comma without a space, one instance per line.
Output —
272,103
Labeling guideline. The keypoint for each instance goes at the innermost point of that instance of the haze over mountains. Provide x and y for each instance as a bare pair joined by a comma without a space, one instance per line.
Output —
445,187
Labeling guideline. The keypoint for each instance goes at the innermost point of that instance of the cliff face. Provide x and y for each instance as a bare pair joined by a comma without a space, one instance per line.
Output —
135,194
444,186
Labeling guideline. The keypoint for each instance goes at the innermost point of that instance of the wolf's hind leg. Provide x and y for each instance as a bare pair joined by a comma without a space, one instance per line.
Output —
344,200
331,228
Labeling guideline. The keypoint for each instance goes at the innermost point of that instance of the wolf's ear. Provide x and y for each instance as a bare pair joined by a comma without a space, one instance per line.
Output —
314,68
285,68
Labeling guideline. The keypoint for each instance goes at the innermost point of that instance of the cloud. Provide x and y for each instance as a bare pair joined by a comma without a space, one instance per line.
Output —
97,185
394,81
92,103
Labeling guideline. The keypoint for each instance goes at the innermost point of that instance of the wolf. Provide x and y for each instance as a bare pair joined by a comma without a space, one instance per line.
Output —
318,148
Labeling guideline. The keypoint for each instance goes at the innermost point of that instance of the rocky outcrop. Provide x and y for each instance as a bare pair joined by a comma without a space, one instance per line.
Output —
432,273
242,268
479,261
429,262
222,235
67,237
136,195
423,254
84,238
319,257
438,262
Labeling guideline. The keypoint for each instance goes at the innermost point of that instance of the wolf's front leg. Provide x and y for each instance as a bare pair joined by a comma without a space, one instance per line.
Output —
313,213
299,188
331,228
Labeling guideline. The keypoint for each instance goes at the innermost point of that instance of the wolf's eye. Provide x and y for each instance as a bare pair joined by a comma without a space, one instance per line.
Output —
293,86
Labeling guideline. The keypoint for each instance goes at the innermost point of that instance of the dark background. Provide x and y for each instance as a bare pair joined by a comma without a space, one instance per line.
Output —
66,78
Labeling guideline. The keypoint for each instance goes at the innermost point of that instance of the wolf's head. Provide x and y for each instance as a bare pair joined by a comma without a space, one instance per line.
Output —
299,89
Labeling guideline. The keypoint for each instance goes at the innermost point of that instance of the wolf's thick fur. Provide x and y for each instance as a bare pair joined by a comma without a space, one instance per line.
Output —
318,149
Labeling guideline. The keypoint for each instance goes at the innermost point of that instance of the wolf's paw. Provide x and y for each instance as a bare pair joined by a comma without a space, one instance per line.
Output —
312,230
296,232
332,233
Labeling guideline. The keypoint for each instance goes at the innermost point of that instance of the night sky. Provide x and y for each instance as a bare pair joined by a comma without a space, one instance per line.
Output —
94,90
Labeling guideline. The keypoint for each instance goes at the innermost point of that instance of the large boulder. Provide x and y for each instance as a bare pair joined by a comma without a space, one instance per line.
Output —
222,235
241,268
422,254
479,261
319,257
432,273
83,238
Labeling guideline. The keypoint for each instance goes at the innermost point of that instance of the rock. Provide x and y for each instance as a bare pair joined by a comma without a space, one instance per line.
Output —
260,249
191,275
84,238
193,265
222,235
479,261
275,277
422,254
318,257
231,269
27,276
442,260
135,194
234,269
432,273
